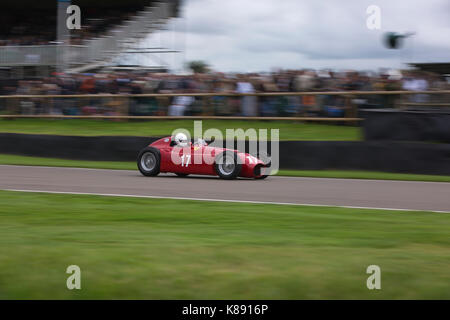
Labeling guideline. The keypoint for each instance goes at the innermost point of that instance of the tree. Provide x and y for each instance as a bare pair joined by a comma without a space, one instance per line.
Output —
198,66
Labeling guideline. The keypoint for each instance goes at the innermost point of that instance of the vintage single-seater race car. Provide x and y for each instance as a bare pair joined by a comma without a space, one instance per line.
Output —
182,157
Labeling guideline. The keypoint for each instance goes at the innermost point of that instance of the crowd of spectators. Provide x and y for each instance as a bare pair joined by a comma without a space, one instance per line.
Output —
126,83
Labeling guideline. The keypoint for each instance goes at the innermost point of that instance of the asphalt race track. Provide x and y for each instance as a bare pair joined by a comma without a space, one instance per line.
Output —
430,196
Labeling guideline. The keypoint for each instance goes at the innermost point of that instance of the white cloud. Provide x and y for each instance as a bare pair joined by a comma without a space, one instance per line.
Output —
250,35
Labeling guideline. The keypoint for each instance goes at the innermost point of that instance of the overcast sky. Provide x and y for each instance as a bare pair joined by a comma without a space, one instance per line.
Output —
258,35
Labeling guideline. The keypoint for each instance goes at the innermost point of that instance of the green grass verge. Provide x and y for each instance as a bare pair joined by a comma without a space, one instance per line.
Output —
52,162
354,174
129,248
80,127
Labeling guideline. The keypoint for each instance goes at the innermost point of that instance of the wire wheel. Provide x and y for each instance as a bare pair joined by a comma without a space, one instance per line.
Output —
148,161
227,166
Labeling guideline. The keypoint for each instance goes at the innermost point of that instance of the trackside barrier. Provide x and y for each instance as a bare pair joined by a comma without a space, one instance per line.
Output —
155,106
388,156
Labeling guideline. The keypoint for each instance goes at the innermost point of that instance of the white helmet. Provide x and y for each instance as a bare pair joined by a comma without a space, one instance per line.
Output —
181,140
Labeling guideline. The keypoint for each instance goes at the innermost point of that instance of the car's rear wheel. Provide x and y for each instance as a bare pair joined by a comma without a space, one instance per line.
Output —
149,162
227,166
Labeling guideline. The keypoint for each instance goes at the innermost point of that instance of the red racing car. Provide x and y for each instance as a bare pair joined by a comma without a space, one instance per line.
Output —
182,157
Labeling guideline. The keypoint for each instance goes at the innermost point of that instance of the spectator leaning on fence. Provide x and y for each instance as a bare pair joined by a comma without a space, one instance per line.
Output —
248,103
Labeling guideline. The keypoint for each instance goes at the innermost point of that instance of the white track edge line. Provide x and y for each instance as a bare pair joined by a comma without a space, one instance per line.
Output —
219,200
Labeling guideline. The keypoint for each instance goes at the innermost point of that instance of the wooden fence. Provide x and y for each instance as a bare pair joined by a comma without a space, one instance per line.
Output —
122,101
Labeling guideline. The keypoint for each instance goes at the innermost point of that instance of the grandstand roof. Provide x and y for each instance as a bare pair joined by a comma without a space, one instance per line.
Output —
440,68
50,4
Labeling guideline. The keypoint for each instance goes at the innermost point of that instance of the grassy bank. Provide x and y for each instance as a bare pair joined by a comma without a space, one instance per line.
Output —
165,249
52,162
288,130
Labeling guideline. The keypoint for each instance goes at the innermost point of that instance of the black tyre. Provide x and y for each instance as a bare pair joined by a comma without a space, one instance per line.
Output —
148,161
182,174
227,166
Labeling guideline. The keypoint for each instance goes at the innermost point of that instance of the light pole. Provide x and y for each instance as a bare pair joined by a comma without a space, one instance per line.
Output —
62,34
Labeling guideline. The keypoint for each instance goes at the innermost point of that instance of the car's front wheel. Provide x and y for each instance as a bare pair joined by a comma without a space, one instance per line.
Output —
227,166
149,162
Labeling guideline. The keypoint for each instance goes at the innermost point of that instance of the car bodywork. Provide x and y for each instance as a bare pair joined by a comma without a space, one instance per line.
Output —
201,159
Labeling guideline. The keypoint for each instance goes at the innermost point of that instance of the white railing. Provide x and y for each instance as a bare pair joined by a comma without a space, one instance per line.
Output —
103,48
27,55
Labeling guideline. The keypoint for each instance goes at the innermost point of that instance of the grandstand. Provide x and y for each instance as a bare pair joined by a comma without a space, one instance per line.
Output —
29,44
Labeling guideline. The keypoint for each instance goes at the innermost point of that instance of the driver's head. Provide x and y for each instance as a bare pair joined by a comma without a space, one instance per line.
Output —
181,140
